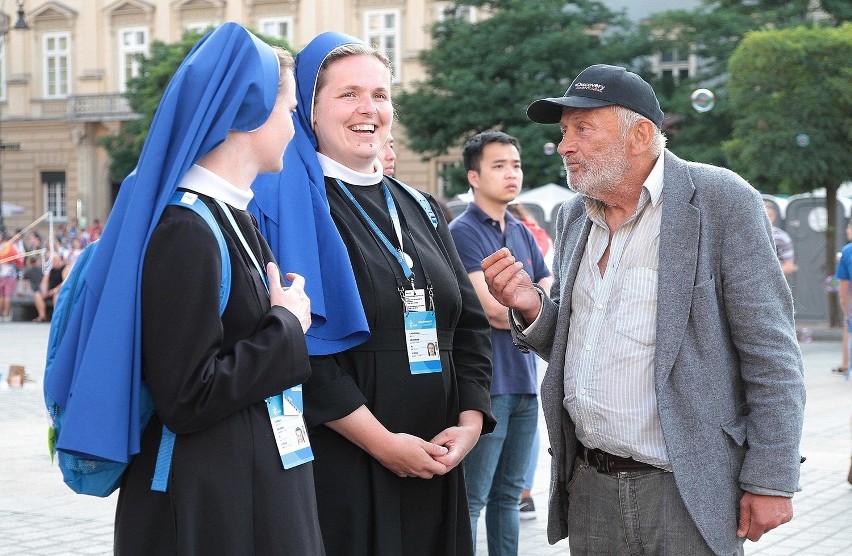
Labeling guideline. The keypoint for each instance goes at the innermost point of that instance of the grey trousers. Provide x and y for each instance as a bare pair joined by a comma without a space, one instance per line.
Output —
637,514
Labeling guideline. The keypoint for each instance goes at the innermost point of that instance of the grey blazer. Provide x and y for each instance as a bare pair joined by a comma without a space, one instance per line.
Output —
728,371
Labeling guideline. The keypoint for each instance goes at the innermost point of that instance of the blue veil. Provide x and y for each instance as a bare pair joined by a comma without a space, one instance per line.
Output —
229,81
293,214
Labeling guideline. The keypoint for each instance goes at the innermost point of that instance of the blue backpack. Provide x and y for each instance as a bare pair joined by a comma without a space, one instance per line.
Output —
98,477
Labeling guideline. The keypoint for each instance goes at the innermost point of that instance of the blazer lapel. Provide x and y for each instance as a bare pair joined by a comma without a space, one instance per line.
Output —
679,236
577,235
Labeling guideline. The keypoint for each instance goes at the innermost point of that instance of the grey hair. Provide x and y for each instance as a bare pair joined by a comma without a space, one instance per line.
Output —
628,118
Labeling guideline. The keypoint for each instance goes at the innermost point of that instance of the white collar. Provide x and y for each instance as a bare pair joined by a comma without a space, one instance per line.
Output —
334,169
201,180
654,181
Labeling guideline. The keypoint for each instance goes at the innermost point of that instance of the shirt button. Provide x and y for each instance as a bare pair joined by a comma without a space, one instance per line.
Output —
588,347
600,305
583,391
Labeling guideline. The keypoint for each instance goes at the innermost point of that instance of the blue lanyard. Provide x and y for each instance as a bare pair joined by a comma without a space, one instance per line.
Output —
397,253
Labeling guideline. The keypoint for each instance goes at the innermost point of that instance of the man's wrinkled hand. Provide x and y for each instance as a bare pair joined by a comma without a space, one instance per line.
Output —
510,285
761,513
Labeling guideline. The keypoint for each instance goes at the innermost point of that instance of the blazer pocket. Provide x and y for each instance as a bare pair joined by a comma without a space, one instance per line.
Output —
705,318
705,289
736,430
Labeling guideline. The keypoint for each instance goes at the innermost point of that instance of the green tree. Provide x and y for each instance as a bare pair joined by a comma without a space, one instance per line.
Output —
787,86
143,94
712,32
483,75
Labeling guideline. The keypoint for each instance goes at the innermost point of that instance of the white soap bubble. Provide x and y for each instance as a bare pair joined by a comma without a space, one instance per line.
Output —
703,100
803,140
549,149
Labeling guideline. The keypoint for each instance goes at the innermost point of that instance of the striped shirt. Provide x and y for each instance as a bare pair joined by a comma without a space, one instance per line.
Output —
609,363
783,244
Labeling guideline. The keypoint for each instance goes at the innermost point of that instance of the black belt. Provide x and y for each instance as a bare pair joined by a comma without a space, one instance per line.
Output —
609,464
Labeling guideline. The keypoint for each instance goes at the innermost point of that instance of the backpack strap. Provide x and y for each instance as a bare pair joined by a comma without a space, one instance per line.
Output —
190,200
420,198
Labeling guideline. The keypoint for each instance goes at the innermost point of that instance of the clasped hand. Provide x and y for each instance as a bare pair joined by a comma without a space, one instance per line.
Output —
459,440
292,298
409,456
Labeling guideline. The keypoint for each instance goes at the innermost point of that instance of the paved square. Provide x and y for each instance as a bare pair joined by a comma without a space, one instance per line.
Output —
41,516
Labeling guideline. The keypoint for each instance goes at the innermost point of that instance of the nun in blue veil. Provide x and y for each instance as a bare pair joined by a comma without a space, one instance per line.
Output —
294,217
150,315
389,420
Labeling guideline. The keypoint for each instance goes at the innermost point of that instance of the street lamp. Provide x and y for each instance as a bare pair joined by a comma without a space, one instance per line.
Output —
21,24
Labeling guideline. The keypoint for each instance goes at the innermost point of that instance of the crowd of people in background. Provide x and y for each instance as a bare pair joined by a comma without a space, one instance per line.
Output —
32,266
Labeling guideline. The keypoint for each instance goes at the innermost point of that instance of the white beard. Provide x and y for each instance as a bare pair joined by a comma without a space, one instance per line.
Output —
601,174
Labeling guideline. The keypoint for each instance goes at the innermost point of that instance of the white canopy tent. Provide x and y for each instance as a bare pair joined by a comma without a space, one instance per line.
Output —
10,209
547,196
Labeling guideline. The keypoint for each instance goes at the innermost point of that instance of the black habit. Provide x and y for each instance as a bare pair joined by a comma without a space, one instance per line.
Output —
228,493
364,508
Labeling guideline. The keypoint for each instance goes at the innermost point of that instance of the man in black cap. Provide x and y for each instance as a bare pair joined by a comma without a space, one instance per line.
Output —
674,393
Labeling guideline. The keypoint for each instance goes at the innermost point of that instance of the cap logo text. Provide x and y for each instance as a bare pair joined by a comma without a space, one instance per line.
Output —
596,87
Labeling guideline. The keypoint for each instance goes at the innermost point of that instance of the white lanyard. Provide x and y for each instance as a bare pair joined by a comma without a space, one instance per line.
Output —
250,253
285,414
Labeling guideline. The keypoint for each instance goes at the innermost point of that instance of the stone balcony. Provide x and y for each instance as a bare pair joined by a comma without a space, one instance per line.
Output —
99,107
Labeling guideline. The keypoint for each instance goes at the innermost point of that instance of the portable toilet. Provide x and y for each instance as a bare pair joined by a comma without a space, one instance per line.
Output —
806,221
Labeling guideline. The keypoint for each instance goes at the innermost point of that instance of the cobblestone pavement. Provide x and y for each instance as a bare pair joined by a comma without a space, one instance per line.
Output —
39,515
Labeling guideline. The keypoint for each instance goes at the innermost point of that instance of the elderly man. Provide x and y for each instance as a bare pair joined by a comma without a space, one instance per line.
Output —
674,392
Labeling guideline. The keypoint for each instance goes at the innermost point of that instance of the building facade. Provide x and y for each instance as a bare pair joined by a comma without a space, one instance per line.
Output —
62,79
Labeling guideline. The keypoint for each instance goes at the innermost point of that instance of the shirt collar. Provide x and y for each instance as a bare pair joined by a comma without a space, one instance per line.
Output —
201,180
334,169
654,181
483,217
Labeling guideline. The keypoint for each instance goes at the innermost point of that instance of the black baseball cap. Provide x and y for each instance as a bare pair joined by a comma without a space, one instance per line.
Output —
601,85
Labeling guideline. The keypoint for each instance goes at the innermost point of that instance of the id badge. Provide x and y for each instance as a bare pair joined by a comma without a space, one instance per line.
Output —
415,300
421,337
288,426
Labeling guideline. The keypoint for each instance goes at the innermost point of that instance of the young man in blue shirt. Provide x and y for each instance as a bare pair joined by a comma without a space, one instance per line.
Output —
494,469
844,276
